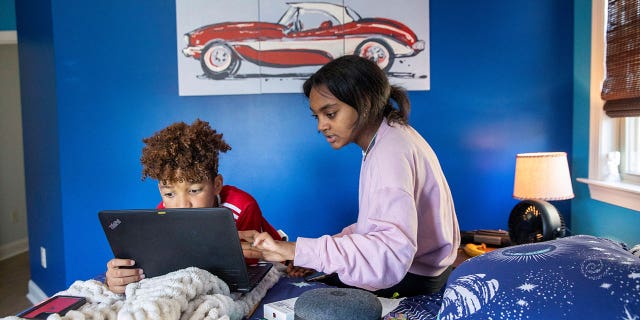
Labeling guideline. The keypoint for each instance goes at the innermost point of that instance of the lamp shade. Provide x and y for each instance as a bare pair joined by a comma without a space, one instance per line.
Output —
542,176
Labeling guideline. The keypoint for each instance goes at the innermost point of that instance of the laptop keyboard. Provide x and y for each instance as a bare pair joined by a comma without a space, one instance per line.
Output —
256,272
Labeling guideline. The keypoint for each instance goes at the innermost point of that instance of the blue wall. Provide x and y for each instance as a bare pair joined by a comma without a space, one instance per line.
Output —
7,15
592,216
97,77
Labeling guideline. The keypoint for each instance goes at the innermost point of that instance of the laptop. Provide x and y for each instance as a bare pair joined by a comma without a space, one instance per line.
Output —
166,240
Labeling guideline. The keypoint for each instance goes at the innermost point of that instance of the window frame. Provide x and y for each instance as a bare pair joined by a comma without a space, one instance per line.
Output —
603,130
8,37
627,132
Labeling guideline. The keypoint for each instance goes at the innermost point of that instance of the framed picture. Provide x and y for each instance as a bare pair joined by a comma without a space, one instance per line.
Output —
271,46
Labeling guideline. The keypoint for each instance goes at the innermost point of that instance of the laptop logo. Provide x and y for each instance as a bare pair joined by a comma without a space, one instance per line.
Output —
115,224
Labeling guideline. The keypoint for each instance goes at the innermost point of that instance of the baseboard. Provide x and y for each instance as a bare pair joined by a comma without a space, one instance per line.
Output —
35,294
14,248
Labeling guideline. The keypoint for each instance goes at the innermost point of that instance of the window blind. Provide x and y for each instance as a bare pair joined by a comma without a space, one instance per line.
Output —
621,87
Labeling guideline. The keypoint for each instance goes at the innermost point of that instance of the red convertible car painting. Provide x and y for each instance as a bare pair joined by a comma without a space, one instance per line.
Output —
308,34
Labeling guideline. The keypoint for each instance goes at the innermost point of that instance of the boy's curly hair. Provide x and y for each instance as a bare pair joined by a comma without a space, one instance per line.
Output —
182,152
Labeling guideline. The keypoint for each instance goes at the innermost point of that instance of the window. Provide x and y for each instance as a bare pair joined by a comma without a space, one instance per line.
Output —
630,148
610,134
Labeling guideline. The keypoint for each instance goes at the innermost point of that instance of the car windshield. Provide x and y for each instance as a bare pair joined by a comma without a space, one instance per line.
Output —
316,20
354,15
339,14
288,16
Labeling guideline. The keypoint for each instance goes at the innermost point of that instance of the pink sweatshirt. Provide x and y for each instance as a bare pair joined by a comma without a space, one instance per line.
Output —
406,220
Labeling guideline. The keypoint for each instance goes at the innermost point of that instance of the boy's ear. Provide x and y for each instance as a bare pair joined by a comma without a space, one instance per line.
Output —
218,183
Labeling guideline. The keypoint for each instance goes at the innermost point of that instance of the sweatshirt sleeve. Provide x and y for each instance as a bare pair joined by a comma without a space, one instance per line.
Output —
379,251
346,230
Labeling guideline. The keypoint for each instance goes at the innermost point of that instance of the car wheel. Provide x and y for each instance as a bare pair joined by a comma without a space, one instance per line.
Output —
377,51
218,61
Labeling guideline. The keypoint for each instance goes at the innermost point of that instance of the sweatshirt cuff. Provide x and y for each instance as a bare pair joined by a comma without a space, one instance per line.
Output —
305,255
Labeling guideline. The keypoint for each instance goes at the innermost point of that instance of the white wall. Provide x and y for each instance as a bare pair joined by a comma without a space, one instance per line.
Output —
13,212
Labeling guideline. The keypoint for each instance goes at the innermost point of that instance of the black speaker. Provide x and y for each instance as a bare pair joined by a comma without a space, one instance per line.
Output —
337,304
535,221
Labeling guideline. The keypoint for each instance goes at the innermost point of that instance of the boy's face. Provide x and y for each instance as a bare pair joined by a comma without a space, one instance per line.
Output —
191,195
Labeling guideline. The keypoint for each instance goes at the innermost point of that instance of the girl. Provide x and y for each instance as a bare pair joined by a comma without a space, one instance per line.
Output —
406,236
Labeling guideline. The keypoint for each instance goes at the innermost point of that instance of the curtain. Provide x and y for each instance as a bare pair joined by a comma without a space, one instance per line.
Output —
621,87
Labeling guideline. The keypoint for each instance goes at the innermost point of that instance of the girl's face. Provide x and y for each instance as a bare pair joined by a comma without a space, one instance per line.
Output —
191,195
336,119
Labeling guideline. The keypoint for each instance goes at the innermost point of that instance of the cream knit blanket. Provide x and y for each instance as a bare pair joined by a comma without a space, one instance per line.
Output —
186,294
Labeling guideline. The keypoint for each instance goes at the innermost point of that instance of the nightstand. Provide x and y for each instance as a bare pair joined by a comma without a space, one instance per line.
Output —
462,257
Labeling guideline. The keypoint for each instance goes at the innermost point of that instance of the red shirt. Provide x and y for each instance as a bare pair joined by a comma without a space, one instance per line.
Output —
245,210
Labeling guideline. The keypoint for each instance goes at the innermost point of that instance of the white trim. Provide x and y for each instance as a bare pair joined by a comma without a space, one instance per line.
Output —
602,129
14,248
35,294
232,207
8,37
618,193
283,235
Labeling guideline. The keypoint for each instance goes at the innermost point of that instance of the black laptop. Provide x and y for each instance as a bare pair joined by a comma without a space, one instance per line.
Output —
166,240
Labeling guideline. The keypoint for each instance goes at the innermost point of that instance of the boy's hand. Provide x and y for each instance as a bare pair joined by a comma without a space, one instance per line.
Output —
246,240
118,278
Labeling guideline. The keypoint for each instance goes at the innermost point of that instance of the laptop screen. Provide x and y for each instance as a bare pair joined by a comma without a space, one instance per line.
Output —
165,240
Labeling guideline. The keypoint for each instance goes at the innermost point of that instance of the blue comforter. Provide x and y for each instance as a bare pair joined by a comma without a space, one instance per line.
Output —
577,277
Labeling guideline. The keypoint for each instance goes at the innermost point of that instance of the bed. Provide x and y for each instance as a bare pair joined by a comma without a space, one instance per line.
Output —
577,277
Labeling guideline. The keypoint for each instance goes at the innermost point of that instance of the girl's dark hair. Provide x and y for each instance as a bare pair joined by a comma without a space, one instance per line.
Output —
360,83
182,152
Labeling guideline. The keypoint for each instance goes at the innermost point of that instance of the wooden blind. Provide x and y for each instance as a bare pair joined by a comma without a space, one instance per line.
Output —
621,87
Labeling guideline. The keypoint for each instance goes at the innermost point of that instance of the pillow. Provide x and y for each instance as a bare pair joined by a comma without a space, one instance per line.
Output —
575,277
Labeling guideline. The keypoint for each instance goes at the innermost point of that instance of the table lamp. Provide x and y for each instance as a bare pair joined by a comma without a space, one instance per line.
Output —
539,177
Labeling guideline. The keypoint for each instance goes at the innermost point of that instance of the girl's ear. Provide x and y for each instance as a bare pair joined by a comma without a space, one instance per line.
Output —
218,183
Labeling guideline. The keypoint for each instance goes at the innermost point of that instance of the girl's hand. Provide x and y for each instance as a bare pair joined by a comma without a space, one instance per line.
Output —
262,246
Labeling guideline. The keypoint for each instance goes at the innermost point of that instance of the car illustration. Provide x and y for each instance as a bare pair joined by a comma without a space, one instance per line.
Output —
307,34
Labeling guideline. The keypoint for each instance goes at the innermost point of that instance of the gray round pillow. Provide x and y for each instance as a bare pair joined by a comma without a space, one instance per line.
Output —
337,303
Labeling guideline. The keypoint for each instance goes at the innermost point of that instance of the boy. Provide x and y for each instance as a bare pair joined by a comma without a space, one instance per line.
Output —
184,160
